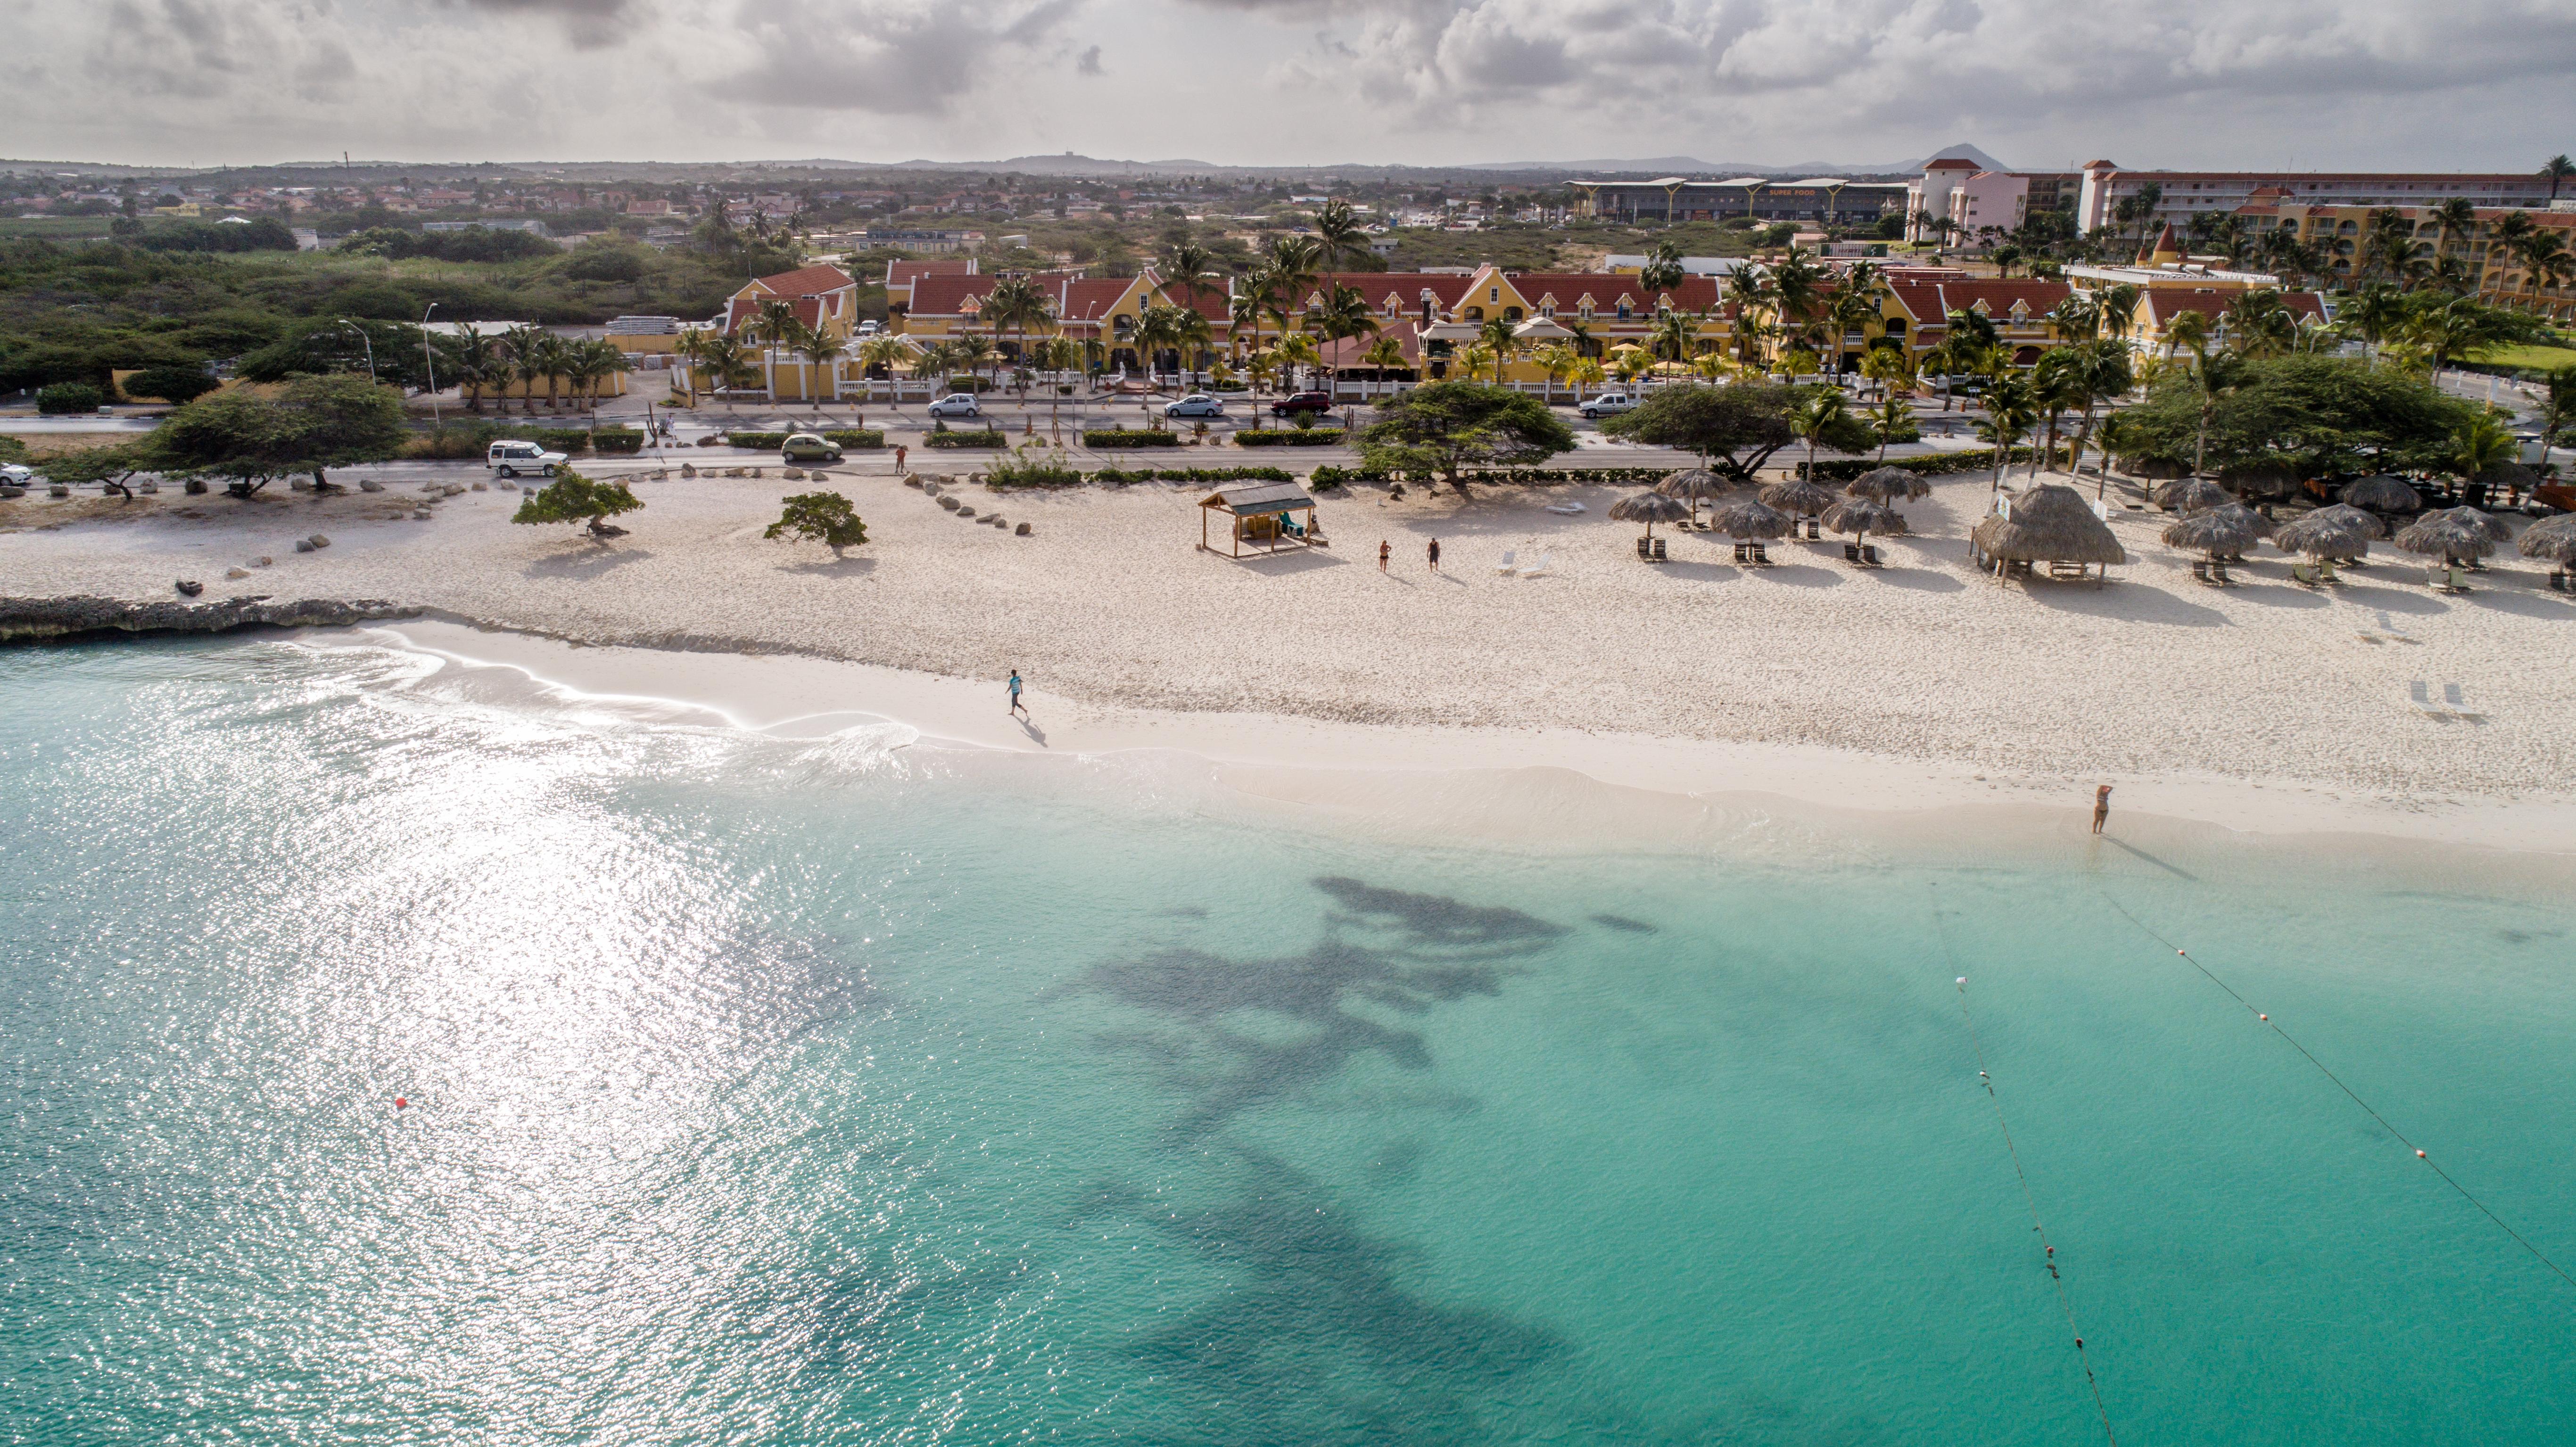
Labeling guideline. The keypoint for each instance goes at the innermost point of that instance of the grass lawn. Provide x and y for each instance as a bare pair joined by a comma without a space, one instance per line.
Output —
2546,359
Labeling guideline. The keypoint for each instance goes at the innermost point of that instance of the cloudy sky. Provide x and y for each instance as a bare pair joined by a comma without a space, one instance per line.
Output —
2479,84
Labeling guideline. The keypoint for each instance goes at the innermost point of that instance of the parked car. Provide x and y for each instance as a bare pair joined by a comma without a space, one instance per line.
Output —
1302,402
1608,403
13,475
806,447
957,404
509,459
868,328
1197,404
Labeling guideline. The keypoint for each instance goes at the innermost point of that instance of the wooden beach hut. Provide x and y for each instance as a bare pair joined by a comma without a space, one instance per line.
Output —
1262,513
2049,525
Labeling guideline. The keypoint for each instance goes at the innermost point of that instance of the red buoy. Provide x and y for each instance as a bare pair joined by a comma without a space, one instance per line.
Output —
401,1104
2262,1017
2419,1155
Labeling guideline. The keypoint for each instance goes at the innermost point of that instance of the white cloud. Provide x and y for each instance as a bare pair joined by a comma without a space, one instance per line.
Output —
2465,83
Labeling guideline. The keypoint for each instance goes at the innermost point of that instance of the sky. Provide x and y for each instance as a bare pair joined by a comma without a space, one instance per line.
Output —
2240,84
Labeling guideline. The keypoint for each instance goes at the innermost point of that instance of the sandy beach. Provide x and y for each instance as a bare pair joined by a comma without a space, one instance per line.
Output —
2264,706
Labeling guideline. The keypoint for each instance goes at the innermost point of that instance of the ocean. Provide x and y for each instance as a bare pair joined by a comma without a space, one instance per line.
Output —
399,1051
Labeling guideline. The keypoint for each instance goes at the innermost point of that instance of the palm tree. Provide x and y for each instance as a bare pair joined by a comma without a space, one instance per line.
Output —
474,359
1056,356
2011,412
2375,313
1554,360
692,351
1495,336
1586,372
1261,366
2503,239
2057,389
1386,354
1191,337
1475,357
2555,170
1892,420
1346,315
1014,304
1817,412
2458,217
522,355
819,348
1244,308
1947,360
1673,335
1294,263
1339,232
884,352
593,362
2259,324
2116,309
1189,266
1889,367
1297,350
971,352
2545,261
1155,330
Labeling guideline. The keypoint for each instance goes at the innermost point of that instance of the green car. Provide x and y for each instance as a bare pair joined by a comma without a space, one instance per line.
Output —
806,447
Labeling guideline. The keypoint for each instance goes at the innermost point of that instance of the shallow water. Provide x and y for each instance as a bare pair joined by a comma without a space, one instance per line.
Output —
788,1090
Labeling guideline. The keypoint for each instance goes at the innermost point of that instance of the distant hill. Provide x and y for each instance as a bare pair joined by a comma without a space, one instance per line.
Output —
1693,166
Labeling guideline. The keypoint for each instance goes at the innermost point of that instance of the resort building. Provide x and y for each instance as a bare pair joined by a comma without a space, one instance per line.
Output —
1972,198
2497,270
822,297
1834,200
2181,195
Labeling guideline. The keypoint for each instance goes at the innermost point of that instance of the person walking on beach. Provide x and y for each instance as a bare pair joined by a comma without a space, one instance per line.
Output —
1385,550
1017,706
1435,555
2101,806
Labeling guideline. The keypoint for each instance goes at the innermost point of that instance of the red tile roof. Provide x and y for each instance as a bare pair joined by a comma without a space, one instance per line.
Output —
1695,294
2165,302
739,310
808,281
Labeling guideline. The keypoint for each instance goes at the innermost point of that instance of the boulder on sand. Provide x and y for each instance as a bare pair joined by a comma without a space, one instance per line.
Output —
303,545
1022,530
319,541
369,484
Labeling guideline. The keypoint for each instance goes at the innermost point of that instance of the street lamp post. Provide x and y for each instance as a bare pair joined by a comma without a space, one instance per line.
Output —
430,362
365,341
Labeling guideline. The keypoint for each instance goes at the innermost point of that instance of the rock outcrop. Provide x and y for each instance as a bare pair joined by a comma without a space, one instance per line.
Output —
28,620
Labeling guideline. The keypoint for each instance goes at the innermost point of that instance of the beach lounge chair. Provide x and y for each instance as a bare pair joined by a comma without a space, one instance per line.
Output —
1743,553
1546,564
1815,531
1565,509
2200,571
1869,556
2065,571
2306,575
2422,698
2218,574
1510,563
1643,551
1659,550
2558,581
1851,552
2452,696
1761,556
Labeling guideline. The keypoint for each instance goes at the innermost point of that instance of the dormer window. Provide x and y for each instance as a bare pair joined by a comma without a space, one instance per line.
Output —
1623,308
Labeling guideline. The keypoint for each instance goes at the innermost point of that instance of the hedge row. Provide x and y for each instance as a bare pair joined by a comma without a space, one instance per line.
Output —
454,441
1194,474
1129,437
988,438
843,436
1329,476
1934,465
1290,437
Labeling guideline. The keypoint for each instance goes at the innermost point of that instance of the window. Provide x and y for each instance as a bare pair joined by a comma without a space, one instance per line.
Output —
1623,308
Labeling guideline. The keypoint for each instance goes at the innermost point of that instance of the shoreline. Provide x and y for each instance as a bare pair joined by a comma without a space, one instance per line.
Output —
1644,789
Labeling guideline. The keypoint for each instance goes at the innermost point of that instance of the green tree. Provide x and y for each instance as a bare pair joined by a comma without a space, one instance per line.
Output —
1735,429
2557,408
1822,417
252,436
2011,413
1339,233
1892,420
1444,427
573,498
2319,416
170,384
111,467
826,517
2556,170
1663,269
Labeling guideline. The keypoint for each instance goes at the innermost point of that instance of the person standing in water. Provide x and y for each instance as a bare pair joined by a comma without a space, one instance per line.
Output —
1435,555
1016,706
2101,806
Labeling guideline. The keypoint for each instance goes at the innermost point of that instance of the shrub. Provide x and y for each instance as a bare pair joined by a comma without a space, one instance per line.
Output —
763,440
573,498
566,440
964,439
170,384
826,517
1129,437
855,437
1934,465
454,441
1194,474
962,383
1032,467
1330,476
1320,437
617,441
65,397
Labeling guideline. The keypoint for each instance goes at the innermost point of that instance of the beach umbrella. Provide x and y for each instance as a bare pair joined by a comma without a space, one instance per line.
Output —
2155,469
1691,484
2505,475
1650,508
2048,524
2488,523
2448,536
1888,485
2221,532
1754,522
2340,531
2190,494
1798,497
2552,539
1860,517
2264,478
2382,493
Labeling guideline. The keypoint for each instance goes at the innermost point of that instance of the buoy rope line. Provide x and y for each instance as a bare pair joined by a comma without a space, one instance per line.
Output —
2264,1018
2048,1251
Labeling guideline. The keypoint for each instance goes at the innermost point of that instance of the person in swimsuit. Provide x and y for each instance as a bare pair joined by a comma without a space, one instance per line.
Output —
1016,705
2101,806
1385,550
1435,555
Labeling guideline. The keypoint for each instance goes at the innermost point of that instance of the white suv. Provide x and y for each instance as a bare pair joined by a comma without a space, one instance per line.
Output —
957,404
1609,402
509,459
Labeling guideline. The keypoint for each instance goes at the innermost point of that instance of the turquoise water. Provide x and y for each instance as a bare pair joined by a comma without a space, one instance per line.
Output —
800,1091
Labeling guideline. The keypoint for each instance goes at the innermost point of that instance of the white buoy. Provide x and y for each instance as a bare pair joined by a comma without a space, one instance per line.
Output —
1963,979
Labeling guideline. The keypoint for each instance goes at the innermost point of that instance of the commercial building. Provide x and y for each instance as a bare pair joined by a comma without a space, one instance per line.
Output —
1836,200
2182,195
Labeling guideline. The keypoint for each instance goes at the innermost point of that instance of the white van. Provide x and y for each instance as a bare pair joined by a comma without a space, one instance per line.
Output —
509,459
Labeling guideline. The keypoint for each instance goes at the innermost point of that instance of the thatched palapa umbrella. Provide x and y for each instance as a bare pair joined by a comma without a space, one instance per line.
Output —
1797,497
1860,517
2191,494
2488,523
1888,485
2382,493
2551,540
2051,523
1691,484
2341,532
2264,478
2508,477
2449,536
1753,522
2224,533
1650,508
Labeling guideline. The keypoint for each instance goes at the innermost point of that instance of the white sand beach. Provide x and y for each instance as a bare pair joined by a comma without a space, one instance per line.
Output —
2264,706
